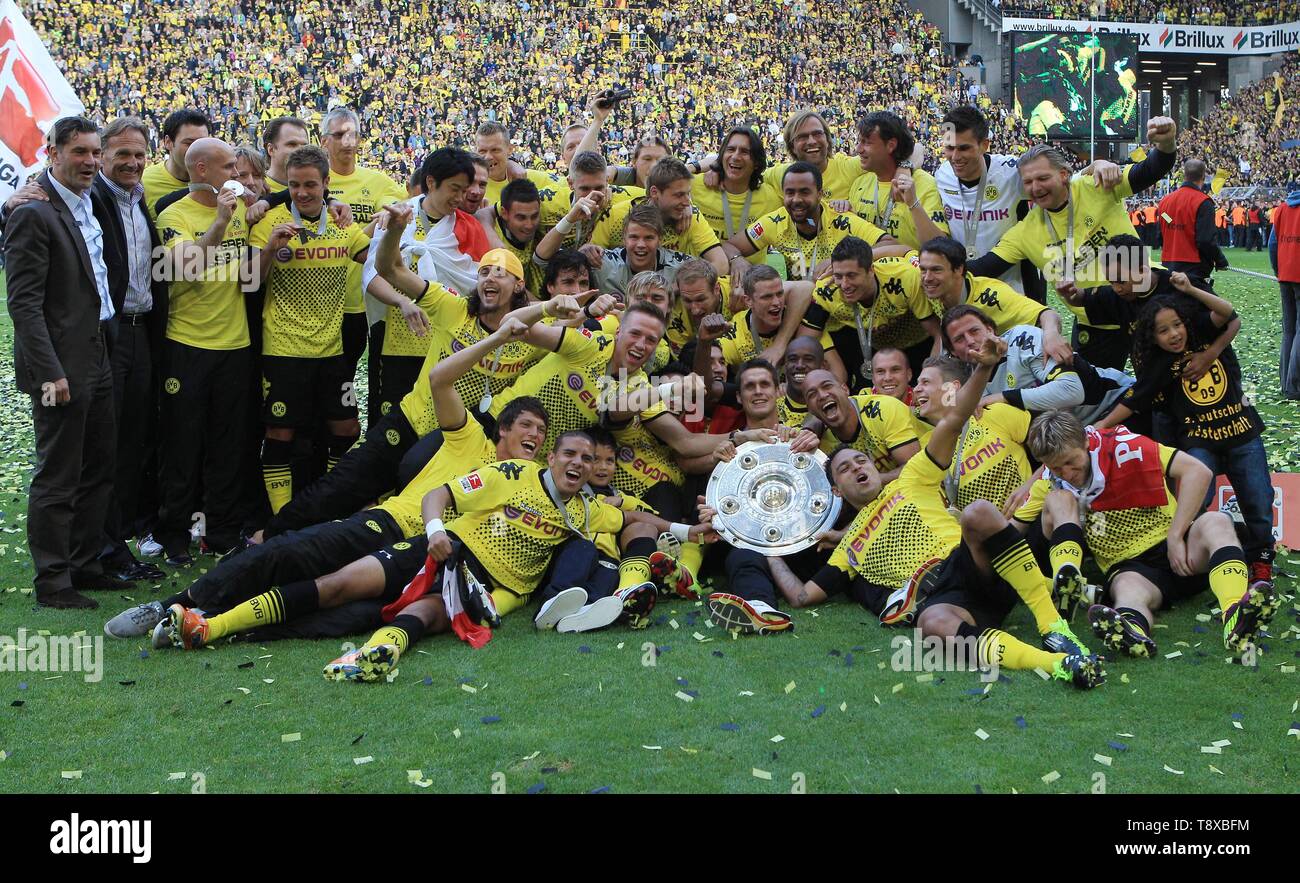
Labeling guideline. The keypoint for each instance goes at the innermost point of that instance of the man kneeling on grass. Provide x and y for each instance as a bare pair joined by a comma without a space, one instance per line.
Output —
906,553
1146,538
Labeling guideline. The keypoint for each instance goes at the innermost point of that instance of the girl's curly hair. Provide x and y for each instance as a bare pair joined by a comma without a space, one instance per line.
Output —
1144,332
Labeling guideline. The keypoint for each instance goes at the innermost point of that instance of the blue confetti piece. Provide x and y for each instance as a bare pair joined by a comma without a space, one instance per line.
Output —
660,620
1118,746
603,789
974,692
718,653
694,694
144,654
1199,629
664,649
537,789
584,649
682,682
1237,715
731,728
549,769
490,719
462,680
22,685
819,711
978,789
848,660
1004,679
1020,722
428,681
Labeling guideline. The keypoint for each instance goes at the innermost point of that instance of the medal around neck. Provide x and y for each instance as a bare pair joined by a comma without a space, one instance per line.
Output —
771,500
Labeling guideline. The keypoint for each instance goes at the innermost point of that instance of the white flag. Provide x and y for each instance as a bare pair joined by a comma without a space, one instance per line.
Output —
33,94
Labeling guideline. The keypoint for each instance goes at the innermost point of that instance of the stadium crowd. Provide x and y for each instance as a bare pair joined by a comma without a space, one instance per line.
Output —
563,358
426,74
1199,12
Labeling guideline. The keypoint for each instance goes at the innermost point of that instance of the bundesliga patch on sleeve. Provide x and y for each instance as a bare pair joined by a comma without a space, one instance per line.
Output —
470,483
756,230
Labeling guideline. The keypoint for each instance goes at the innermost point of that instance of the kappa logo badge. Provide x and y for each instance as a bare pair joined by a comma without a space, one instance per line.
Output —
509,470
172,386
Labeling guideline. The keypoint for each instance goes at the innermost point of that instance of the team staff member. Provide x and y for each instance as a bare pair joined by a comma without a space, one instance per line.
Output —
61,300
910,210
281,137
1284,250
868,302
808,139
947,284
305,375
179,131
1188,227
1070,223
208,355
804,231
136,346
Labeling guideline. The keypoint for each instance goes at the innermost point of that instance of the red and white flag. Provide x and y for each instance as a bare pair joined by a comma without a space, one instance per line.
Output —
33,94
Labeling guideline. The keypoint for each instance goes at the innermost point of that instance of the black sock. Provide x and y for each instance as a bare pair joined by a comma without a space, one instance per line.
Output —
1001,541
299,598
338,446
412,625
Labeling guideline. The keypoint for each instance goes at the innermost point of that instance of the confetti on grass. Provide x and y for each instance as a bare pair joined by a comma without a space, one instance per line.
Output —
76,774
685,697
1170,769
360,760
731,728
537,789
789,687
819,711
468,689
758,774
291,737
1021,723
490,719
777,738
1051,777
416,777
1102,759
981,735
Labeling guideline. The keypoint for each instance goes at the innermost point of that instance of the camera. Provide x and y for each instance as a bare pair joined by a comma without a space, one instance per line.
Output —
611,97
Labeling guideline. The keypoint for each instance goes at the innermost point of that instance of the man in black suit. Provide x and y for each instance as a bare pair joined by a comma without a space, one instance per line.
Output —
59,298
134,346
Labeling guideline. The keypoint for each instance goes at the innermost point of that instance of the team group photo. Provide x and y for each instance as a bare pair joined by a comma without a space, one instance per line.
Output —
746,397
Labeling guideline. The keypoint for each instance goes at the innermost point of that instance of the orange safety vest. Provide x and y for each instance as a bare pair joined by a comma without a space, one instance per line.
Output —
1286,227
1179,231
1220,218
1238,216
1150,213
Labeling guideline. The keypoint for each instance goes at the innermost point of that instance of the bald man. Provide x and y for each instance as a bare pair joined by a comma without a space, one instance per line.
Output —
1187,227
206,356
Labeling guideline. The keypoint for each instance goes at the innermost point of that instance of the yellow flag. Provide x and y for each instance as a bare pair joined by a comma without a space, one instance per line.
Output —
1220,178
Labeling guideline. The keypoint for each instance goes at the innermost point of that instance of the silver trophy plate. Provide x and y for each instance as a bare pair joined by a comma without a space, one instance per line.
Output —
770,500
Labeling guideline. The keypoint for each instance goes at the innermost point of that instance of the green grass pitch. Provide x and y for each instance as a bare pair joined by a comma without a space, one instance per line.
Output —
820,709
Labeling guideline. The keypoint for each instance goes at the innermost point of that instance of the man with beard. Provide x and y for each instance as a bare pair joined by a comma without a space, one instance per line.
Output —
804,231
767,323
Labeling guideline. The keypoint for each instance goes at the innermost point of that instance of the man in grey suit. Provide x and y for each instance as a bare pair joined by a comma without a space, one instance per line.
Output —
60,301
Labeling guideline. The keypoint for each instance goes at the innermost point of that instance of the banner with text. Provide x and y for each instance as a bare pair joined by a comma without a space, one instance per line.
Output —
1158,37
33,94
1286,506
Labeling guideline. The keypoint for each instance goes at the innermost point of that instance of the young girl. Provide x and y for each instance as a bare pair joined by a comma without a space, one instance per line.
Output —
1173,341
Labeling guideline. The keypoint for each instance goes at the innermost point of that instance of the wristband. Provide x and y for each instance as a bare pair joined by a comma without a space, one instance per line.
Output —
564,225
665,390
546,310
586,311
916,203
681,531
434,526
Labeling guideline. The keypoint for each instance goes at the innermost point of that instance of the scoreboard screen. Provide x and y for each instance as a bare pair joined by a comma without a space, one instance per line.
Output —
1053,77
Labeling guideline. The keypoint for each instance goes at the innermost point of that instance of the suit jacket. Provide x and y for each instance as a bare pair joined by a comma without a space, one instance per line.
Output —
114,229
52,297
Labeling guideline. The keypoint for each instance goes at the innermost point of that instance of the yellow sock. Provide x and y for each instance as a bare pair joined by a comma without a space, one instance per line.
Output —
692,558
390,634
1065,551
1017,566
279,485
633,571
996,647
266,609
1228,576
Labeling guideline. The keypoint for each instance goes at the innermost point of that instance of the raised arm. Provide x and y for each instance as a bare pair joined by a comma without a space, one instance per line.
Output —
943,441
388,256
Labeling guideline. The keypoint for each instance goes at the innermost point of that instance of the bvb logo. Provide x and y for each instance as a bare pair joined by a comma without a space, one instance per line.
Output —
393,436
402,546
374,525
990,193
278,409
1011,380
1083,338
172,386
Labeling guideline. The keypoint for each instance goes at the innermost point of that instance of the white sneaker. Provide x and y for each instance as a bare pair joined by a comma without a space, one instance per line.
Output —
565,603
596,615
148,547
136,622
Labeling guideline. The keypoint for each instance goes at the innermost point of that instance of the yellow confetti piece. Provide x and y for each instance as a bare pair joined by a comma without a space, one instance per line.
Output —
875,697
1221,743
1215,769
619,646
762,774
1042,674
746,693
70,774
1238,725
1127,735
981,735
697,636
1211,749
844,706
1174,655
456,733
1165,215
416,777
685,697
1202,617
468,689
653,747
777,738
1170,769
1123,678
925,678
815,614
689,750
360,760
897,688
1102,759
1287,669
268,680
54,677
789,687
4,755
291,737
1051,777
673,623
172,777
1137,154
244,690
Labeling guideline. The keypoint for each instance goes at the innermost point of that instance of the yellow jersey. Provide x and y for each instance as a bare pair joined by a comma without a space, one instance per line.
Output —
462,449
993,462
804,252
870,200
303,312
739,344
512,525
884,423
714,206
695,240
158,182
556,202
842,171
643,460
207,311
540,178
999,301
893,318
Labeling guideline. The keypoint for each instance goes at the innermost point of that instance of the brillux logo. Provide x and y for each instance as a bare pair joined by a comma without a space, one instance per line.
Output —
1239,40
1166,36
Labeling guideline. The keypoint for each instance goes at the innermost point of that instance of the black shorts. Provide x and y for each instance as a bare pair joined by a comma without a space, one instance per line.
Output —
987,598
1153,565
401,562
297,393
666,498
